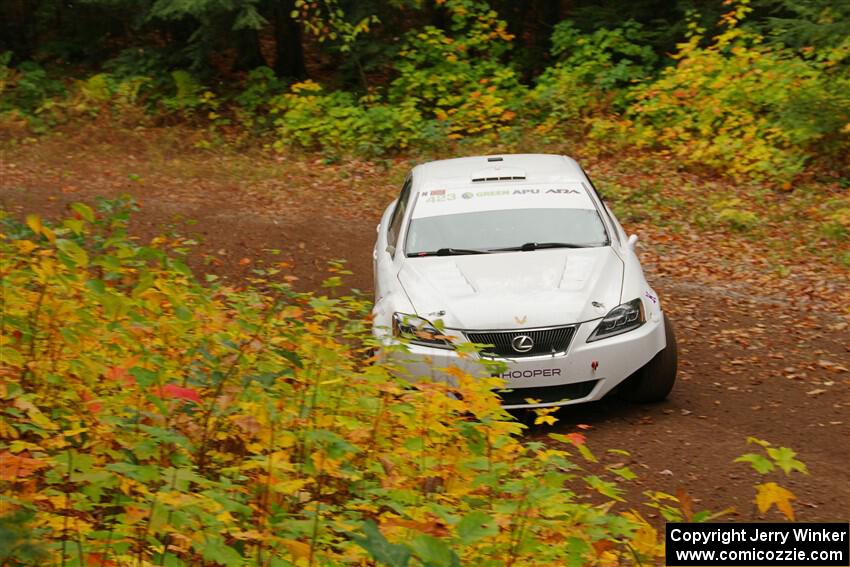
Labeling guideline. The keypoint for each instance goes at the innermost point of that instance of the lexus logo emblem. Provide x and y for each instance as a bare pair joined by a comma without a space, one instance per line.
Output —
522,343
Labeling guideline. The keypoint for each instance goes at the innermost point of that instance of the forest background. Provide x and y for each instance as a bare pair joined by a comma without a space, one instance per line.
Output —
152,416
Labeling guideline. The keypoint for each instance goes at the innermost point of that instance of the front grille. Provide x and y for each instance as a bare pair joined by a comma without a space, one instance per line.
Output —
546,341
547,394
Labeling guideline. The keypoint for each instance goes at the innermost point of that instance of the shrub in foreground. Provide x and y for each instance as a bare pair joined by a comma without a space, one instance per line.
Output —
148,419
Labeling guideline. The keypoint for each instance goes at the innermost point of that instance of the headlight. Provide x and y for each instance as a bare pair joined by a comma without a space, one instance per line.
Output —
419,331
622,319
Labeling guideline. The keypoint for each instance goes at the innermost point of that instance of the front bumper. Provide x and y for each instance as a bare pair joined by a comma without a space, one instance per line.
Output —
551,380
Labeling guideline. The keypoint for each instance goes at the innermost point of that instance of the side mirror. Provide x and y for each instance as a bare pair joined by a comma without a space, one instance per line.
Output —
391,249
632,242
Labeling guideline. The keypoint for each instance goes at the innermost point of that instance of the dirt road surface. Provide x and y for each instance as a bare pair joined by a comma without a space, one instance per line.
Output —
751,364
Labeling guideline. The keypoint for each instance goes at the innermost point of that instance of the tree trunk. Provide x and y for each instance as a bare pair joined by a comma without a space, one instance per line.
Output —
550,14
248,54
18,28
289,60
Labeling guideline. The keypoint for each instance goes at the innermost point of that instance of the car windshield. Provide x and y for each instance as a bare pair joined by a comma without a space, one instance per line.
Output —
502,230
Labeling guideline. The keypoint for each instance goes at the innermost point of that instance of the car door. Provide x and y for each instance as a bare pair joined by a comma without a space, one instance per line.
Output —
388,236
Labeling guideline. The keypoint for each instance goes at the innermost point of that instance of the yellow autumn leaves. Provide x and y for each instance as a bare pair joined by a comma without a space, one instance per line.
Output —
149,418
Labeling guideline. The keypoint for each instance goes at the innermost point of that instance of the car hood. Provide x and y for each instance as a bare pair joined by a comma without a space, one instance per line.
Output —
514,290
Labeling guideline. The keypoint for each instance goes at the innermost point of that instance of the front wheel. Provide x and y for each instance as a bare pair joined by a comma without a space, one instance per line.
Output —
655,379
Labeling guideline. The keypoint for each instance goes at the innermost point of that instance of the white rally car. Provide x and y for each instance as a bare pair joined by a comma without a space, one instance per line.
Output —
519,253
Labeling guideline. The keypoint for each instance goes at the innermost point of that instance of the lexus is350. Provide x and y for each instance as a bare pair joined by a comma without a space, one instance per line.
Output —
520,254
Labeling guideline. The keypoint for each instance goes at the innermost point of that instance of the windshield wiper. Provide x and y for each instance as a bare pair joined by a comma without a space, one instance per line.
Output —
449,252
529,246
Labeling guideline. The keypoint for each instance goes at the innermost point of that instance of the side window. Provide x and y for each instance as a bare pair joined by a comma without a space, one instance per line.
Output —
605,210
398,215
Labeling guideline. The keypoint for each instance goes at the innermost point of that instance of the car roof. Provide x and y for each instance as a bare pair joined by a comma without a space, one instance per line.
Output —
490,183
484,171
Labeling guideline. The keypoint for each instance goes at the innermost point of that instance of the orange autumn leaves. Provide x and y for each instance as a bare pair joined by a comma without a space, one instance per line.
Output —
182,423
14,468
217,423
166,391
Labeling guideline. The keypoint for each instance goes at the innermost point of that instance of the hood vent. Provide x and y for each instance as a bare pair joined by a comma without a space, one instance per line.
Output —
504,178
498,174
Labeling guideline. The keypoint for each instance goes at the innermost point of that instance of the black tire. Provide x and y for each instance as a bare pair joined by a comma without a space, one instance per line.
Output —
653,382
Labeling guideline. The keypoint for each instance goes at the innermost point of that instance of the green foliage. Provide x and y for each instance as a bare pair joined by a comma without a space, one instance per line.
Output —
214,24
338,123
609,58
146,418
458,76
96,88
380,549
18,545
25,92
743,107
327,21
592,73
139,62
260,87
836,225
5,71
733,213
104,92
32,86
242,13
28,93
782,458
642,201
807,24
770,494
734,101
254,103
